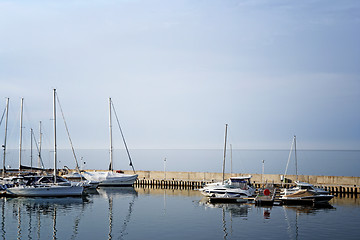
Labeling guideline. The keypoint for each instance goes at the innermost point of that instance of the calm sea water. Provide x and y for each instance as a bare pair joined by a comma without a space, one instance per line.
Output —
146,213
310,162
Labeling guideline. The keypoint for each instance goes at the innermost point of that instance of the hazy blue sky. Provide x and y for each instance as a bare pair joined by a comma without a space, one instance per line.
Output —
177,71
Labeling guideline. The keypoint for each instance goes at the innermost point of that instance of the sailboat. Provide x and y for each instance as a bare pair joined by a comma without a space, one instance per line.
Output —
45,186
234,189
111,177
303,193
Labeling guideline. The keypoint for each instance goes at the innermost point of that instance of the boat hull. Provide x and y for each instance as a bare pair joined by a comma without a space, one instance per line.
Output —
318,199
110,179
45,191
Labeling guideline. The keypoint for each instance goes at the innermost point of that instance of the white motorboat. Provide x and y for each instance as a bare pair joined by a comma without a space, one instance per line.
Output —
305,197
303,186
239,187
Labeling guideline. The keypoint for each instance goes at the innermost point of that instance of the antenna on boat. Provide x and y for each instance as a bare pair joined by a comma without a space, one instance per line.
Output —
38,148
296,167
31,147
21,122
4,146
223,175
40,138
231,166
110,131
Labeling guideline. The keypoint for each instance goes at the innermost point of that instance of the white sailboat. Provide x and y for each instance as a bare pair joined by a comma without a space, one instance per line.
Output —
47,186
111,177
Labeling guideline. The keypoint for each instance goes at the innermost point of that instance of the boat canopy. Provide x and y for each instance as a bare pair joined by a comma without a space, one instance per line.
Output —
304,184
239,179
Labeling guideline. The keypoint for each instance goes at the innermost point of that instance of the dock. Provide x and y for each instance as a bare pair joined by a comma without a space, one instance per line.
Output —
195,180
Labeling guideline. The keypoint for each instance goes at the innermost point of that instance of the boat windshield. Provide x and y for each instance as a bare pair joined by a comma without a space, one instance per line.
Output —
239,184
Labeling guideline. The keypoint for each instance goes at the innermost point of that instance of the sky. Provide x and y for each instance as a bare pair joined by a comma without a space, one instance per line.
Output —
178,71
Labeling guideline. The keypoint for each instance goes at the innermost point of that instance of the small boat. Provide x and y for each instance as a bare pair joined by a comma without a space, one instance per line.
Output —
305,197
111,177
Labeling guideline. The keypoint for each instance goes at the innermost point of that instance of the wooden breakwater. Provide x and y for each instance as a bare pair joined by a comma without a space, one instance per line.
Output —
334,184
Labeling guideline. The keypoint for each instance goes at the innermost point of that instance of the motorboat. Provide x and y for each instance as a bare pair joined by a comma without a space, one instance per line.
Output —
305,197
304,186
235,187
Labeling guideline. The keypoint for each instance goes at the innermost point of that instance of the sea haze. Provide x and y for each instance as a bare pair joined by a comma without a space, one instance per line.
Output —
310,162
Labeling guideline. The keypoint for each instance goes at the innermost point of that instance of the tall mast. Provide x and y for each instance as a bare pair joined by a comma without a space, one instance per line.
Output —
31,147
223,175
55,146
4,146
110,130
296,167
21,121
231,169
39,155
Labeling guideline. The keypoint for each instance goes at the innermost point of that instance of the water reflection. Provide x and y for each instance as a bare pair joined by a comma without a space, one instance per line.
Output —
272,215
65,218
229,211
299,209
28,213
122,213
112,193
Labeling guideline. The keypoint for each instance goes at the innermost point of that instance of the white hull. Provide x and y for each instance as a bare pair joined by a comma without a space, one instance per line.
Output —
222,191
238,187
111,178
46,191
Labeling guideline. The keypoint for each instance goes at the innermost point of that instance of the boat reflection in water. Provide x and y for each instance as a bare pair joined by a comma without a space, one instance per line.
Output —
234,210
113,193
237,216
69,217
305,209
37,217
